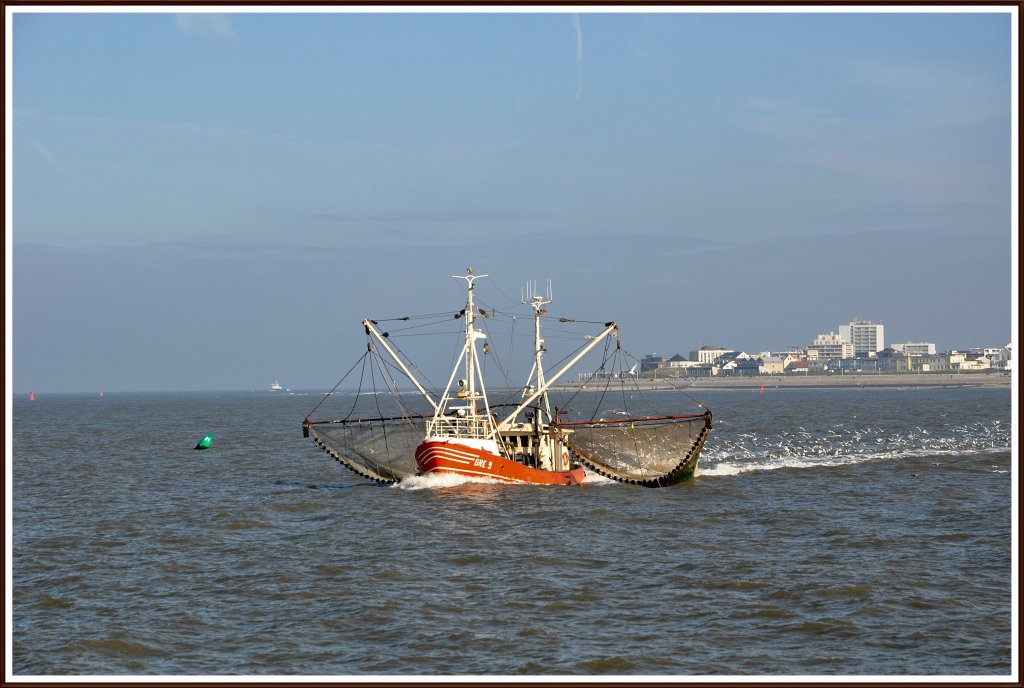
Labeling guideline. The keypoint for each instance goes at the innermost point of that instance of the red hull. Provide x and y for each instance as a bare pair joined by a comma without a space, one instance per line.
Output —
450,457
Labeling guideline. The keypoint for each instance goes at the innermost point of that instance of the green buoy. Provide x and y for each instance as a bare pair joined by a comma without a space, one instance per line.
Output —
205,442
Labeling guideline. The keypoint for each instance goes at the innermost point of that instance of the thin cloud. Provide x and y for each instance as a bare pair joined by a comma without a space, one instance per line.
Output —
419,217
579,56
186,130
47,155
206,25
892,155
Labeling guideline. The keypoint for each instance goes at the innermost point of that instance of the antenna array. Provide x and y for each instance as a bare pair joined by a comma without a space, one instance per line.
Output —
531,295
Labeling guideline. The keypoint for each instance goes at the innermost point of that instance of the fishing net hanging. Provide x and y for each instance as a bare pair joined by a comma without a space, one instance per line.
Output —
381,449
653,452
637,448
378,432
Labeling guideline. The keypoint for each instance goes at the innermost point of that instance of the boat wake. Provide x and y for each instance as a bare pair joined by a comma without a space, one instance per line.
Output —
438,481
843,445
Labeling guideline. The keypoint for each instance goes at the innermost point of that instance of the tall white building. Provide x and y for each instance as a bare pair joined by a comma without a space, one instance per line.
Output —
867,337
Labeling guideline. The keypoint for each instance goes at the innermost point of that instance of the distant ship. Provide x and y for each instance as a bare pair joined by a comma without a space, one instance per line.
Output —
276,387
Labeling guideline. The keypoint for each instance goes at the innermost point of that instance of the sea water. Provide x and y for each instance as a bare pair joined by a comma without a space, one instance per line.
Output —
831,532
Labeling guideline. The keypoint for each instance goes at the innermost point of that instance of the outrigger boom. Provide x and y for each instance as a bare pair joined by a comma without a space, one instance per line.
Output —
543,388
371,330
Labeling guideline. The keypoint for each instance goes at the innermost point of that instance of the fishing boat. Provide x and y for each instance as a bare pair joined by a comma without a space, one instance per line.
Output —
276,387
394,434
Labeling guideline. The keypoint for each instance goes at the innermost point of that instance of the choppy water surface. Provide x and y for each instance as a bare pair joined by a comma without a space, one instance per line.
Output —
847,531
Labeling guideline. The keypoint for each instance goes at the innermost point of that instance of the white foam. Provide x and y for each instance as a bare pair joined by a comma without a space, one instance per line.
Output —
598,479
437,481
737,465
841,445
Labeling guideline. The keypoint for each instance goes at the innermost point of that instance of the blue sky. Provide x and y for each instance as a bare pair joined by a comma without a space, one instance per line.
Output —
211,201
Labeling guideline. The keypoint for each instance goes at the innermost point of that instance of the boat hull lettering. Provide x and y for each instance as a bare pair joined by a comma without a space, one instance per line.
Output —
440,456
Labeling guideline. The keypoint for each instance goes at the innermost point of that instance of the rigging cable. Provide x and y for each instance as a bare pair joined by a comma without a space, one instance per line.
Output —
669,382
376,399
487,351
338,383
409,362
416,327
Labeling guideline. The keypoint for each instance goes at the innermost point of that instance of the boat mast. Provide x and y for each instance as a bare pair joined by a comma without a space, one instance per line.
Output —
472,334
610,329
537,303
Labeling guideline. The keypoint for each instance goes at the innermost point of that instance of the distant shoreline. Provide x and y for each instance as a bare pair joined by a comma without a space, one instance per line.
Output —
856,380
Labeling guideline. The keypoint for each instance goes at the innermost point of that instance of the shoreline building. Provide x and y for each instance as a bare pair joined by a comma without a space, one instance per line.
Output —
651,362
868,338
916,348
707,354
1001,357
828,346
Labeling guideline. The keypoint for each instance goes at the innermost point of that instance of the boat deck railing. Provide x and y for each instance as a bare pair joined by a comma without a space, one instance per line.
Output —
480,427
